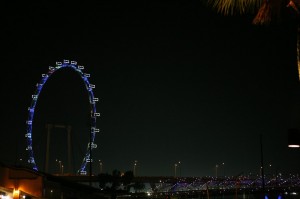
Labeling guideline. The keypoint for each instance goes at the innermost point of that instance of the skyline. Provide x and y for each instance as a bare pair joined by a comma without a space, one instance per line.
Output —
175,82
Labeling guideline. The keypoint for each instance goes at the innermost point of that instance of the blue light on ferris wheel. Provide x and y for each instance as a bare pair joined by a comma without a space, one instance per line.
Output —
73,65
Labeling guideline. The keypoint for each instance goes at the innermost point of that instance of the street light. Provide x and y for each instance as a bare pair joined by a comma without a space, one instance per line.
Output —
260,171
217,170
179,164
60,165
100,166
134,168
270,168
223,164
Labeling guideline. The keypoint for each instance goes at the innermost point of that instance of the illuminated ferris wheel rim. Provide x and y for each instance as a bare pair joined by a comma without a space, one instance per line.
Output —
91,145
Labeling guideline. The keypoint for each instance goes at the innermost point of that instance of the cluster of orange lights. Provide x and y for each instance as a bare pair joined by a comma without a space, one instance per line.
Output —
16,193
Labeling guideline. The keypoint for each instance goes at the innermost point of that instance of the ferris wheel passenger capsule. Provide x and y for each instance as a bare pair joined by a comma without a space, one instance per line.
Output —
31,160
34,97
29,122
97,114
95,130
83,172
58,63
94,146
28,148
74,62
66,61
80,67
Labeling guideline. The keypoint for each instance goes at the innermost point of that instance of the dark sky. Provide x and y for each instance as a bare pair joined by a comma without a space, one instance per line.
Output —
176,82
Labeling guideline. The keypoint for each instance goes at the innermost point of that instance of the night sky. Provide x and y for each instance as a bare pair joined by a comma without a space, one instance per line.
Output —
176,82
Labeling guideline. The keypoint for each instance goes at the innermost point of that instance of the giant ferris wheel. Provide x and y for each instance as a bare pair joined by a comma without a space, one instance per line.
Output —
92,99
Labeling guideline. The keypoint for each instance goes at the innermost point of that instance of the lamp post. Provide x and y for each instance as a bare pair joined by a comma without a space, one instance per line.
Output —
260,168
217,170
223,165
262,165
100,166
60,166
134,167
179,164
270,168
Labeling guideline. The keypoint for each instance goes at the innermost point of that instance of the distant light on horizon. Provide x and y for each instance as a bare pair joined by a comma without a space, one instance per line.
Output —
294,138
294,146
